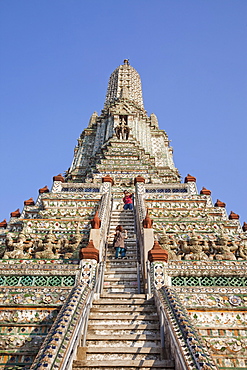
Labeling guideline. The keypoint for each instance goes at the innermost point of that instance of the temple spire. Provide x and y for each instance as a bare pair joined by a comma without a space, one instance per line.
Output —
124,82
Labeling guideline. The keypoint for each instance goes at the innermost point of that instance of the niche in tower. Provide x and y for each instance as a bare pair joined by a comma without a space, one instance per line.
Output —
123,120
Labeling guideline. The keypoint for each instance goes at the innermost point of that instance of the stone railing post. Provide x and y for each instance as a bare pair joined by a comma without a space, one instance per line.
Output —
145,235
57,183
99,236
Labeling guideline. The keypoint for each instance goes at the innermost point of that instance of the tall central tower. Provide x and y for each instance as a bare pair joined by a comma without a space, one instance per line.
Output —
57,258
123,141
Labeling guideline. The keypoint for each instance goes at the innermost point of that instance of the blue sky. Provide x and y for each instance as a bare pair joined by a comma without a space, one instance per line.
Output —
57,56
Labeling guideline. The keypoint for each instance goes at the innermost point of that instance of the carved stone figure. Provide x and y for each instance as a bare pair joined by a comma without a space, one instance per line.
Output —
119,131
49,248
243,248
224,249
126,131
194,249
63,245
165,244
20,248
68,248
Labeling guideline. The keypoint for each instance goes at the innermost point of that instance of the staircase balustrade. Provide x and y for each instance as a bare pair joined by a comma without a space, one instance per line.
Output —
104,214
148,274
179,337
168,337
60,346
140,210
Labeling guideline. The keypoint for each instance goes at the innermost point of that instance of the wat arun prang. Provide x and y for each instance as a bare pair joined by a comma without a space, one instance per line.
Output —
204,279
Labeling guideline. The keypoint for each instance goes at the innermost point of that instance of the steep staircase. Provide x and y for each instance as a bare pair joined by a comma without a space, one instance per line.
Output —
123,328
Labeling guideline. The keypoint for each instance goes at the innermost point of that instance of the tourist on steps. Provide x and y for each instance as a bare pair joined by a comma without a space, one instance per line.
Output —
118,242
128,201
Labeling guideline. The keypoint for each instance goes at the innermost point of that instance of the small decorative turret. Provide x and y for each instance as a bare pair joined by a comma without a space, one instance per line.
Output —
90,252
15,213
58,178
244,226
107,178
93,119
96,222
139,179
189,178
157,253
154,120
147,222
3,224
233,216
44,190
205,191
219,204
29,202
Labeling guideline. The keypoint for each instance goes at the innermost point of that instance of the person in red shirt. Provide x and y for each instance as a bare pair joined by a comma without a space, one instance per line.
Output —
128,201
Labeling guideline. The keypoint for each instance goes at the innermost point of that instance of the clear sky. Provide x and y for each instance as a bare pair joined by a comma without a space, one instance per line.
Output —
56,59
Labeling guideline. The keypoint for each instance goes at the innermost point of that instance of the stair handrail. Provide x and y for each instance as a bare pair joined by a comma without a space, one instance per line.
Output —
186,345
139,212
97,287
80,331
138,277
101,266
104,214
149,285
66,331
163,334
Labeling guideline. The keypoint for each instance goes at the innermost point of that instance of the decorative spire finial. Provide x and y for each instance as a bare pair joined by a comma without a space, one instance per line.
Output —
126,62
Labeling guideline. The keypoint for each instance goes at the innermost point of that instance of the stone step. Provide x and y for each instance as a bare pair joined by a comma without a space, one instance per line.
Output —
131,297
126,338
124,365
122,267
118,279
127,219
122,221
121,262
120,213
124,350
131,237
123,216
125,286
123,317
123,353
108,309
120,283
146,329
112,274
119,314
126,223
130,229
120,289
130,255
132,282
118,273
121,301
